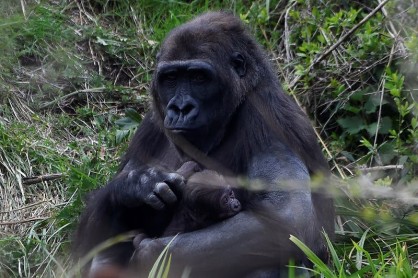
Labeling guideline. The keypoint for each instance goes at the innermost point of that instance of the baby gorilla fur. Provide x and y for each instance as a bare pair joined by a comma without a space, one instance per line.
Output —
207,198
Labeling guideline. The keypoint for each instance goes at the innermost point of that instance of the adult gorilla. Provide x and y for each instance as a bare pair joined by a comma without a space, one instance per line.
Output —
216,100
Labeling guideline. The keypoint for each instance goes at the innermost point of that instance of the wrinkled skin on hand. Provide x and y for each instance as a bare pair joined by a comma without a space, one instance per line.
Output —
150,187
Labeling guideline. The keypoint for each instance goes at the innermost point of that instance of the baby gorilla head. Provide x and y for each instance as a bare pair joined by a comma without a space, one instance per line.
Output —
208,194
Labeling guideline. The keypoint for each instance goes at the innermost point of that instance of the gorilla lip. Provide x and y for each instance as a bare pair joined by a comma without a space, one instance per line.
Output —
182,129
179,129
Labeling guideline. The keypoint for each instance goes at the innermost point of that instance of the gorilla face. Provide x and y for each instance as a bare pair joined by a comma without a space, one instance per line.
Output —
190,92
229,204
194,96
194,99
199,83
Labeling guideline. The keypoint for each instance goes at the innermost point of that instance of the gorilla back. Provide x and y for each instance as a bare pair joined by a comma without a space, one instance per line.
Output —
217,101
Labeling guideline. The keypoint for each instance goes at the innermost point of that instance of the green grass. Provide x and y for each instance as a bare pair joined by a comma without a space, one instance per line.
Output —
74,79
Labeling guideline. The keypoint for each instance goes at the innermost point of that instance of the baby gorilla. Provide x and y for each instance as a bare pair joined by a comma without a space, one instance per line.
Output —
207,198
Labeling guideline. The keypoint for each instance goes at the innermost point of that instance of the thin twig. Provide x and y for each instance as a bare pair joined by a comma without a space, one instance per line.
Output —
342,175
289,55
382,92
340,41
22,3
25,207
381,168
41,178
93,90
23,221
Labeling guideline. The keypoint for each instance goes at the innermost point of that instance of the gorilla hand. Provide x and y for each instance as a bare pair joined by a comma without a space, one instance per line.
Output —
151,187
146,253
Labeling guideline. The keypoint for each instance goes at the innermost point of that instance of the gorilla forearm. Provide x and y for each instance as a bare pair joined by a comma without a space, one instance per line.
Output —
244,243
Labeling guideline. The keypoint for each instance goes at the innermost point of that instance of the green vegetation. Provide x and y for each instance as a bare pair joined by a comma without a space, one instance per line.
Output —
74,77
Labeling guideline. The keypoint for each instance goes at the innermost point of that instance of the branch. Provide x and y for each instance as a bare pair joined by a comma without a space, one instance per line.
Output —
38,179
22,221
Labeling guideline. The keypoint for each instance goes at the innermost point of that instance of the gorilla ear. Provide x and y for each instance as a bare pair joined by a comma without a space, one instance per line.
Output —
238,62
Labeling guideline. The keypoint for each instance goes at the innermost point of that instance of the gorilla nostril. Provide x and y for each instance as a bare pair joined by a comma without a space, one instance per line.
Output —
186,109
174,108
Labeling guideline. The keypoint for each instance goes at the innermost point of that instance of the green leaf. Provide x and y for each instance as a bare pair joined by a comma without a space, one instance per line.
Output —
131,120
133,114
359,254
121,135
372,103
333,252
161,267
352,125
358,95
353,109
414,123
366,143
387,152
322,267
126,123
101,41
385,126
348,155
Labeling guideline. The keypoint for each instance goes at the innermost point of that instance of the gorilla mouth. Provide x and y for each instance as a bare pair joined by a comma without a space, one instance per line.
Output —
183,128
177,125
188,132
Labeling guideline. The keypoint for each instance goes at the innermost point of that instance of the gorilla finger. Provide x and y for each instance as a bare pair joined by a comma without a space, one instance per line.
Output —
165,193
155,202
138,239
188,168
175,179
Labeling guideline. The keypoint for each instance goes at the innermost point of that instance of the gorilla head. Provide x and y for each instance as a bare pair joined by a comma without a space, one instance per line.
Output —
199,83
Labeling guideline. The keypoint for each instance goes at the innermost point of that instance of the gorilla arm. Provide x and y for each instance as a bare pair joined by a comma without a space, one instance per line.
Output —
129,202
251,240
244,243
123,206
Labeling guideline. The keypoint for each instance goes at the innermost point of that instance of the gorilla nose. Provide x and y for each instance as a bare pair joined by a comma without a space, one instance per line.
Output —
184,108
236,206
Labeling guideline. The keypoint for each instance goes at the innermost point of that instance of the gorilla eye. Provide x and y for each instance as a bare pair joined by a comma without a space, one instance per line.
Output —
225,200
171,76
198,77
168,76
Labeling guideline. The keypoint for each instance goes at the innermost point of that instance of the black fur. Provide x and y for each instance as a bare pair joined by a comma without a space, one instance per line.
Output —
238,123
